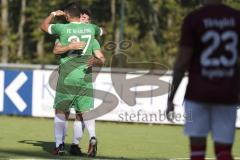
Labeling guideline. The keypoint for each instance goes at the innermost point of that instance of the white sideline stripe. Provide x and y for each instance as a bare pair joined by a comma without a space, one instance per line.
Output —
189,158
46,159
110,159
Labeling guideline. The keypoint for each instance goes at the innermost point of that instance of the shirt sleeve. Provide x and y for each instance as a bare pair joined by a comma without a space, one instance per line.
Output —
54,29
187,33
98,30
96,45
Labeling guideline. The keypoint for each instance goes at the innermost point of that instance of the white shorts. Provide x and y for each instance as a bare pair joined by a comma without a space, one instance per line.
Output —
205,117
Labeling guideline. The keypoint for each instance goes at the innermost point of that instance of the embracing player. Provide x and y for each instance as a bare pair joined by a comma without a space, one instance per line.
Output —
60,49
209,51
74,87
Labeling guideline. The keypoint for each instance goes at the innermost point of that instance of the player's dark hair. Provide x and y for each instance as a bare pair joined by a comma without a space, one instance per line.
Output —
86,11
72,9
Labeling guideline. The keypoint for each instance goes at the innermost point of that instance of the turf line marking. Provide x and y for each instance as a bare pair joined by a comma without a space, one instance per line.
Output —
189,158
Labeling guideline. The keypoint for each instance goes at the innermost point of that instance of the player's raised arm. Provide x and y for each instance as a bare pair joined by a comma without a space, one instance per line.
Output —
59,49
46,22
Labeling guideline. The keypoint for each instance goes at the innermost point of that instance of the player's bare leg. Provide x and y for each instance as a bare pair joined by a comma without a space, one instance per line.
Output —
59,127
223,151
198,148
77,135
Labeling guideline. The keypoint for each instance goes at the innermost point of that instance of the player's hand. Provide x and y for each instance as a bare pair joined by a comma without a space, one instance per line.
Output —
58,13
91,61
76,45
94,61
170,111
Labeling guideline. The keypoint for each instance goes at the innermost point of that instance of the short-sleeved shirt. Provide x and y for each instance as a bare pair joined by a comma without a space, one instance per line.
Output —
75,32
213,32
73,66
74,86
76,68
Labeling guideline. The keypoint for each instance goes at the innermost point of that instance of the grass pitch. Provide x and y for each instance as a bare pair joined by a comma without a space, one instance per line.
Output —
30,138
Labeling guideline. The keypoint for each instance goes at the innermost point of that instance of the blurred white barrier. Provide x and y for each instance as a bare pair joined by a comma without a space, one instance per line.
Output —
38,96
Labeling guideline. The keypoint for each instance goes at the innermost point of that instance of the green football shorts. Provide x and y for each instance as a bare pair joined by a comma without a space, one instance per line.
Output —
74,89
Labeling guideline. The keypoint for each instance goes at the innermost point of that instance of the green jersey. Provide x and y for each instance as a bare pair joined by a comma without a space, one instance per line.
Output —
74,85
76,31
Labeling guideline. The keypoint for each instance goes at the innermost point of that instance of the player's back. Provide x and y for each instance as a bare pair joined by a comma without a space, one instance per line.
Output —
215,31
74,63
75,32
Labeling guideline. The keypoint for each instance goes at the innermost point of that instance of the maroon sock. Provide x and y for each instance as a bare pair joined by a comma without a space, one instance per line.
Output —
223,151
198,152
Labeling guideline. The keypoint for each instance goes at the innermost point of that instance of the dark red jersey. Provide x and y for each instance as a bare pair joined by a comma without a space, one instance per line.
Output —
213,32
